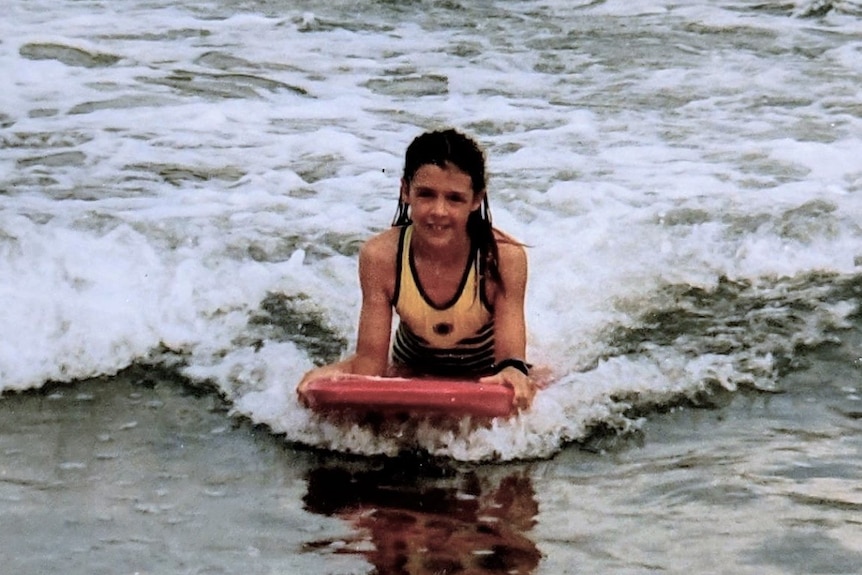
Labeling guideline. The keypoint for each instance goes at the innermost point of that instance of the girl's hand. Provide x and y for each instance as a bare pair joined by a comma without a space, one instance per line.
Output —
522,385
316,373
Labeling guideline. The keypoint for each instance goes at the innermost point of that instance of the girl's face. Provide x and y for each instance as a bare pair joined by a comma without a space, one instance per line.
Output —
441,200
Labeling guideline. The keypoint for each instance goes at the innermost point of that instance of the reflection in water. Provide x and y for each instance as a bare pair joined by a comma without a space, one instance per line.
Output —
418,518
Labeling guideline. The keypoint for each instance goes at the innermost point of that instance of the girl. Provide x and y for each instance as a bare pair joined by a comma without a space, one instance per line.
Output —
456,283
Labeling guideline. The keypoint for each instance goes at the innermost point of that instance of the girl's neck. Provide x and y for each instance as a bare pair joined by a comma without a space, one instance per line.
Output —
454,254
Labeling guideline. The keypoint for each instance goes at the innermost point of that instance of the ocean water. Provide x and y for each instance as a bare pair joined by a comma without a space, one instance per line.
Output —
183,190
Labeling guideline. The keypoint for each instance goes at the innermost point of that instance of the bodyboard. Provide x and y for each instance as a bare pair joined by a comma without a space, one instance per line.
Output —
455,398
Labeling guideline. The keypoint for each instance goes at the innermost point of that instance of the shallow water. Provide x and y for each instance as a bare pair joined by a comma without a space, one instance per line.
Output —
120,476
142,474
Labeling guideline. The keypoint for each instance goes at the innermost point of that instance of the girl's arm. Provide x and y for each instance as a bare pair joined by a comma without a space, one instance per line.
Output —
510,330
376,270
376,276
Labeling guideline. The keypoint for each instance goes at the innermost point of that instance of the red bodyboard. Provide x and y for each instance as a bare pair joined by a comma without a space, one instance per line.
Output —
366,394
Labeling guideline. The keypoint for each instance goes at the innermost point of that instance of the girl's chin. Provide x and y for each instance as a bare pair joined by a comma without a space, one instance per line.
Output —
440,233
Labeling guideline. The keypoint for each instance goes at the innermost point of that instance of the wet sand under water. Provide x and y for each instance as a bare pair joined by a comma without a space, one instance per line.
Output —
137,474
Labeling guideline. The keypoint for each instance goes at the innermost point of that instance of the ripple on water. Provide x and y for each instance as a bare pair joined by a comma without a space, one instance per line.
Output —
69,55
223,86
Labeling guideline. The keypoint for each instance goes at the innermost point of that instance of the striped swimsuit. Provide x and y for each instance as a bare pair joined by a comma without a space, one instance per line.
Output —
451,340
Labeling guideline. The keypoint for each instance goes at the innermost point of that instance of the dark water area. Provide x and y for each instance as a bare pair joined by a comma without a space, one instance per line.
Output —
114,476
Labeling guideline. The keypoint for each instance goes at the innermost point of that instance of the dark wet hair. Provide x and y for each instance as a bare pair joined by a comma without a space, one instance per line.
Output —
452,147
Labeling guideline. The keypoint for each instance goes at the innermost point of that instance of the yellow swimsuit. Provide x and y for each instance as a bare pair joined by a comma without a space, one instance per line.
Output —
455,339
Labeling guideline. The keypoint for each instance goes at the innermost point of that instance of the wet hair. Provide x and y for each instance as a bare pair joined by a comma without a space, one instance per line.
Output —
450,147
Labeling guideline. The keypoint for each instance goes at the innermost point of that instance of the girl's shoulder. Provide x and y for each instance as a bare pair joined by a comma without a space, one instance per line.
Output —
378,264
381,248
508,246
512,267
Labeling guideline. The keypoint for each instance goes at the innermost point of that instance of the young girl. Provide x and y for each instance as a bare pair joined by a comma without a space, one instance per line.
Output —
456,283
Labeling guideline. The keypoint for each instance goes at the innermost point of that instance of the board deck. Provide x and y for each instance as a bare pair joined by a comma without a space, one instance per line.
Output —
456,398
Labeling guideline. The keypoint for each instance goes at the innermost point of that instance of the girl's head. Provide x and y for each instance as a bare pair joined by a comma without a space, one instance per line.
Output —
446,148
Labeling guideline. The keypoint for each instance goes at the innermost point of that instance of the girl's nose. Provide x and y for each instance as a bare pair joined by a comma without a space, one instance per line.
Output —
439,206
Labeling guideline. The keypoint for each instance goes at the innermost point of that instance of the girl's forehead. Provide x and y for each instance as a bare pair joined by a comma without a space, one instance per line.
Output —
450,174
